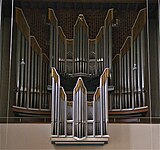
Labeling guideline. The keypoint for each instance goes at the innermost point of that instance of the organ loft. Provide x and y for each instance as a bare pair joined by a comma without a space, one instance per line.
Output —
79,65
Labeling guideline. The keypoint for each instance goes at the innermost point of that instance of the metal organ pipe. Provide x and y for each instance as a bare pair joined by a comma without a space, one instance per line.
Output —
132,68
87,119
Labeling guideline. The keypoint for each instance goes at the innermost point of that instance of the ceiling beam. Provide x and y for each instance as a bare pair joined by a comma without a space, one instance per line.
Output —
89,1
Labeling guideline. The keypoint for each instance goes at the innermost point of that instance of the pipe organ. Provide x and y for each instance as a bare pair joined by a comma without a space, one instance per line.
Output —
79,121
81,55
31,71
130,69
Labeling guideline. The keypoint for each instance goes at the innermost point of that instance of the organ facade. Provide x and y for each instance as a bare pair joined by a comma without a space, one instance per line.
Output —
81,55
79,65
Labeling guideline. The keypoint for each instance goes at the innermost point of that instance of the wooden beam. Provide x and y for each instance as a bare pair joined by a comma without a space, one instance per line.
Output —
22,23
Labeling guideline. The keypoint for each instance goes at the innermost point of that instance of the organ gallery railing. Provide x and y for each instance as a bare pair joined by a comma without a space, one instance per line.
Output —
31,70
85,56
130,69
79,120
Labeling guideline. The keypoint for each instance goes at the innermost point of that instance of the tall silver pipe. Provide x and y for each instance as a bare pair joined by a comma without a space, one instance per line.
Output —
106,103
132,73
110,47
135,73
35,81
94,119
51,49
22,74
38,81
122,82
32,80
143,64
101,109
26,73
139,70
46,82
53,105
128,78
18,64
80,101
58,108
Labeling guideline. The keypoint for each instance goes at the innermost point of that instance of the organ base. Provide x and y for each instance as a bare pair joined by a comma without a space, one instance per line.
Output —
73,141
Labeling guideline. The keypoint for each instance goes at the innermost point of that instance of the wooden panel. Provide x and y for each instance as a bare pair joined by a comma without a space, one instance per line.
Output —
62,92
105,75
22,23
126,46
30,111
79,85
109,17
52,17
97,93
45,58
55,74
116,58
61,33
128,112
35,46
100,34
139,23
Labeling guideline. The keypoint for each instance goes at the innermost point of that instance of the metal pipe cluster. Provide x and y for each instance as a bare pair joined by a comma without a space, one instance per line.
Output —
31,68
80,55
79,119
129,69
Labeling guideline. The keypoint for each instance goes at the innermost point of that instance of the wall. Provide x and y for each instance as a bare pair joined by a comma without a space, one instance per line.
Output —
122,136
5,67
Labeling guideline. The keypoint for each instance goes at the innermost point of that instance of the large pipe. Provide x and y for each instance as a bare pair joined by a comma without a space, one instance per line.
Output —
22,74
125,82
51,49
142,63
32,80
128,78
18,65
35,81
110,48
26,73
38,74
135,73
139,70
53,105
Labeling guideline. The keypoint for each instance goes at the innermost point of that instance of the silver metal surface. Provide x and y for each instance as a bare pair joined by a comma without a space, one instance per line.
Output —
18,65
81,119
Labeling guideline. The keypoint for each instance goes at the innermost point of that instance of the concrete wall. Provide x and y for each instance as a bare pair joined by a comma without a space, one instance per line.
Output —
122,136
